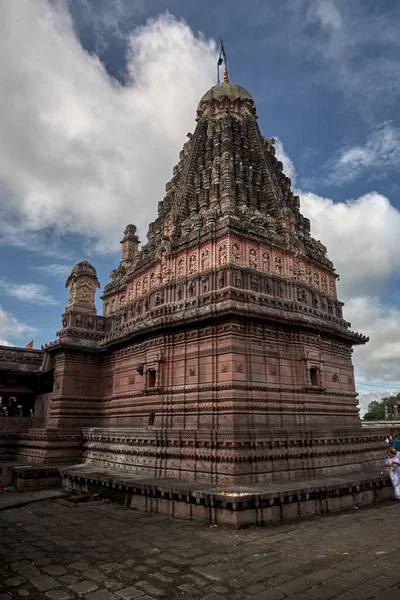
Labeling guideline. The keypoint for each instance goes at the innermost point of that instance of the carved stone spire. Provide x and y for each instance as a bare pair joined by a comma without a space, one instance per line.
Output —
82,284
228,182
130,243
226,169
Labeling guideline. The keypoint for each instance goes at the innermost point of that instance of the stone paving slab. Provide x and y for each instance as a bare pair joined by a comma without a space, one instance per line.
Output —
114,553
12,499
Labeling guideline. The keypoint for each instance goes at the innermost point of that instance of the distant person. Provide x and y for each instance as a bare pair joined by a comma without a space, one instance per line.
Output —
396,443
392,464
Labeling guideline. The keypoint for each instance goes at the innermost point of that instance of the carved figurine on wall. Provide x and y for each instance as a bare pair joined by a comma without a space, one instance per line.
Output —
192,289
253,262
222,255
180,267
238,280
302,295
192,264
205,260
266,262
254,284
236,254
278,265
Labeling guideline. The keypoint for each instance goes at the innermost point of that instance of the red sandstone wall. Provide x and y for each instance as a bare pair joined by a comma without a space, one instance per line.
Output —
76,400
232,375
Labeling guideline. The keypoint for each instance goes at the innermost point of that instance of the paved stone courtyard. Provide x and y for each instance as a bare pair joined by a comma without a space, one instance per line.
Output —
108,552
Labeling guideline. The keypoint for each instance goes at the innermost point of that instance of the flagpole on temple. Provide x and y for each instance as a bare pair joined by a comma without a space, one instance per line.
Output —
222,59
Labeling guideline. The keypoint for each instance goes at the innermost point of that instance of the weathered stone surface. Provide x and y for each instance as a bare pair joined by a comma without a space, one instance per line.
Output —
54,570
130,592
101,595
83,587
58,595
44,583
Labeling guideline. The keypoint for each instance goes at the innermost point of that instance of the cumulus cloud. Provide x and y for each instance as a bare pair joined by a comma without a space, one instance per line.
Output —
378,155
79,151
12,329
361,236
380,358
288,166
33,293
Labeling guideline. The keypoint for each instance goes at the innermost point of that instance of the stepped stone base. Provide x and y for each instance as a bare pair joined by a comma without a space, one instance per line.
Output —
229,457
42,446
237,506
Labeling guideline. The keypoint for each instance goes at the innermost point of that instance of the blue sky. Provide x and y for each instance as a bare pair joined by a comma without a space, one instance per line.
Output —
96,99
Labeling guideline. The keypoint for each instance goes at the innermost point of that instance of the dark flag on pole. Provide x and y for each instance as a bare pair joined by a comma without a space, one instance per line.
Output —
222,59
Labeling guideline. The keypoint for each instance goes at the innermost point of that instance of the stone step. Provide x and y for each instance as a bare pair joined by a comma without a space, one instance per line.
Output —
238,506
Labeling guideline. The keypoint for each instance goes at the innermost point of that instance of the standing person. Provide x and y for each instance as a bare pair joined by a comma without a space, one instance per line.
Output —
393,468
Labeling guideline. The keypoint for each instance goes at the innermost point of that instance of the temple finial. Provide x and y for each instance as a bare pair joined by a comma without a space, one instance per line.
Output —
226,76
222,59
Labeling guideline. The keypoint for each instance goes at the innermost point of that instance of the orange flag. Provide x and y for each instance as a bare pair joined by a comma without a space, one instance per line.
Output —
30,345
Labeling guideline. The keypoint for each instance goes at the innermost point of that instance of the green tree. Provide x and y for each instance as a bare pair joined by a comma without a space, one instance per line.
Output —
376,409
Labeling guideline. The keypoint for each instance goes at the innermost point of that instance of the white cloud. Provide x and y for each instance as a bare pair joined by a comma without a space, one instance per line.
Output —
379,154
33,293
79,152
288,166
11,328
361,236
328,14
355,48
56,270
380,357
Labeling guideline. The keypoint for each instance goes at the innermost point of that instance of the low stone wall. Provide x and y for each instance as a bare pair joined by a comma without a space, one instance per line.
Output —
36,477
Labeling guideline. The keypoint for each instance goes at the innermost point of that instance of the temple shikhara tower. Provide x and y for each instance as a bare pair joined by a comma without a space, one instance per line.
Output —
222,355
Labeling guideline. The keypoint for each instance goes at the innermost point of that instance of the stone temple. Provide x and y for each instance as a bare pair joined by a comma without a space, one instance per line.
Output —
221,357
